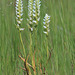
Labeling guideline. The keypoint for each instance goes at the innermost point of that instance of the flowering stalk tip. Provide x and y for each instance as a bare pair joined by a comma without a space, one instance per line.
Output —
36,11
19,12
46,24
30,15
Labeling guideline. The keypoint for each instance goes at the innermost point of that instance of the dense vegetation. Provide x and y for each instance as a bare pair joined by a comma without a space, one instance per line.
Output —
61,38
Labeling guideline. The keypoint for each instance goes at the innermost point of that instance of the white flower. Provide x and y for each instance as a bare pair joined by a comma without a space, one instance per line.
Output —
45,32
21,29
19,11
36,10
30,15
34,21
38,19
18,16
19,22
46,24
21,19
31,29
18,25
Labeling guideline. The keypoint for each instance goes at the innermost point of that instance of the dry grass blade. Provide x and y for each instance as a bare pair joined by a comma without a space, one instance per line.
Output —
25,61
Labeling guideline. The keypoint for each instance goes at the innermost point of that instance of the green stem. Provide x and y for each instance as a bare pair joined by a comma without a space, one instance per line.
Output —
47,46
30,51
30,44
35,35
22,44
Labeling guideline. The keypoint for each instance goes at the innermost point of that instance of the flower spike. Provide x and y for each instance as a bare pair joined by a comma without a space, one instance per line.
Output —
19,12
30,15
46,24
36,11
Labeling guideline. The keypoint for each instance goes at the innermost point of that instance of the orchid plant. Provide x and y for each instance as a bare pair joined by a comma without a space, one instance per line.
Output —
32,23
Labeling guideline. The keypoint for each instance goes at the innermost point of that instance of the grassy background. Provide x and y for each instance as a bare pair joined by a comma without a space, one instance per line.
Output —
61,37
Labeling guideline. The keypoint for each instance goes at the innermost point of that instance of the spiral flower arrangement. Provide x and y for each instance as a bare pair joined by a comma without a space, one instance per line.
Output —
36,11
19,13
30,15
46,30
33,13
46,24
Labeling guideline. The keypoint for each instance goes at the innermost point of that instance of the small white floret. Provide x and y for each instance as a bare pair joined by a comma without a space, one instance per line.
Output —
45,32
